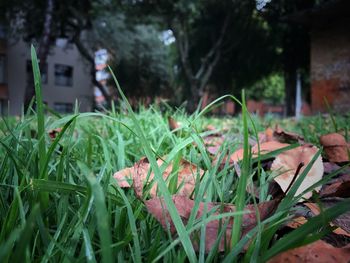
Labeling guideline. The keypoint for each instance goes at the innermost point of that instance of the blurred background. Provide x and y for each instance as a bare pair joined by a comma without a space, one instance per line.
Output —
291,56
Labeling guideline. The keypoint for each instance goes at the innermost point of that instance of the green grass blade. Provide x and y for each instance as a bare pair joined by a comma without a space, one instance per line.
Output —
39,110
298,235
242,184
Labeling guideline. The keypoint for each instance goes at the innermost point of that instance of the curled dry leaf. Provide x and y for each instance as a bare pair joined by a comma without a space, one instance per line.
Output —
187,174
184,206
286,165
283,136
335,147
319,252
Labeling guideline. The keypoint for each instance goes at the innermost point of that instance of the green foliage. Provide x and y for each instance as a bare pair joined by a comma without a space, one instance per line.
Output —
138,54
269,89
25,19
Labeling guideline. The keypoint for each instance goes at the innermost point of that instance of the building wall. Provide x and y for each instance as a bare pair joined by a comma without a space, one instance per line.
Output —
330,66
17,56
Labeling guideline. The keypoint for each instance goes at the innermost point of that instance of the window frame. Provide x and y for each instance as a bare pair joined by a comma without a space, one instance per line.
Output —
69,83
4,81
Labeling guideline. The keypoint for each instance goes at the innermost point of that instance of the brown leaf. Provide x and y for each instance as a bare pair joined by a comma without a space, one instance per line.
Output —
342,222
213,143
335,147
187,174
338,185
287,137
301,220
123,175
297,222
338,189
319,252
173,125
210,127
266,136
53,133
265,148
288,162
184,206
330,167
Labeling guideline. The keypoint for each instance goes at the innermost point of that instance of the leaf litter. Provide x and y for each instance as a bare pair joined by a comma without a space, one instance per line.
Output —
140,176
286,166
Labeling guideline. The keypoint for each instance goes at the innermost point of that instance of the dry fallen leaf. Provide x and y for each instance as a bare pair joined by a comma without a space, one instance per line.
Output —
330,167
173,125
342,227
319,252
283,136
187,174
213,143
184,206
297,222
301,220
265,148
335,147
266,136
53,133
338,189
286,164
210,127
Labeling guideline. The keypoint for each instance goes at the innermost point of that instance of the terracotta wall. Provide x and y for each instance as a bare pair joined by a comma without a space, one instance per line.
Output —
330,66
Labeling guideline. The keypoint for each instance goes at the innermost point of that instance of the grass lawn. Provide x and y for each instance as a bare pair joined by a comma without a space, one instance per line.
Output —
59,201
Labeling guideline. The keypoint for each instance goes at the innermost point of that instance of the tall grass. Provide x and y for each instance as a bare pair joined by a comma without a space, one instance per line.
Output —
59,202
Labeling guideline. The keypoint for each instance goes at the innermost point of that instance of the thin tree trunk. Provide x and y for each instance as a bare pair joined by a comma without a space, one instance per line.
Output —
197,79
195,95
290,76
43,51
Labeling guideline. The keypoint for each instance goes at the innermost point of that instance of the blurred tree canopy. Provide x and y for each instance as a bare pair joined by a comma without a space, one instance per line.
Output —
139,56
229,44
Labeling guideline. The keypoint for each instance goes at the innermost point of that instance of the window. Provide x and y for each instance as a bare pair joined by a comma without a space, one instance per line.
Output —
62,107
43,72
2,69
3,107
63,75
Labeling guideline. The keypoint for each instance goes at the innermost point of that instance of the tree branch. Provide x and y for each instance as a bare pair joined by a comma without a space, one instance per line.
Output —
205,61
181,41
204,80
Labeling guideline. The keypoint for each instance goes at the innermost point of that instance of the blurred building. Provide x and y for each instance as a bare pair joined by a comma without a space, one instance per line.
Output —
65,77
330,54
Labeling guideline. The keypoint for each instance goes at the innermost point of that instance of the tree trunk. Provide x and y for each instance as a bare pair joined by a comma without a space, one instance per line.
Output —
195,92
197,79
43,51
290,76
